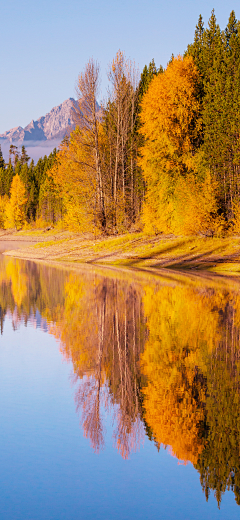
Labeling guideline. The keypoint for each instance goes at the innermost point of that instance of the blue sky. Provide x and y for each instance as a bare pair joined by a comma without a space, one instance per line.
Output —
45,44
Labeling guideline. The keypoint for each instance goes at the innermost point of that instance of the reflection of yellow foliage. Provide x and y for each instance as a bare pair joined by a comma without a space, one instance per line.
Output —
18,279
183,330
100,333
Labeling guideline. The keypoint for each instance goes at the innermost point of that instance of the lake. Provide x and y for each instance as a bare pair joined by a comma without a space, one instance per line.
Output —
119,394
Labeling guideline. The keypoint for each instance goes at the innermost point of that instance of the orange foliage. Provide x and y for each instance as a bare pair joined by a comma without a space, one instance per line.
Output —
175,197
182,332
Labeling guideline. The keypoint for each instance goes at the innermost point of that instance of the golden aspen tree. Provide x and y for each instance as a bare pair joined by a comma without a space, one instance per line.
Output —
15,209
74,175
3,204
170,126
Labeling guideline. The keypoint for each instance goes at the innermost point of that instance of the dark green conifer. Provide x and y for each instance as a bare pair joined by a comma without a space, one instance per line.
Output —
8,177
24,158
2,162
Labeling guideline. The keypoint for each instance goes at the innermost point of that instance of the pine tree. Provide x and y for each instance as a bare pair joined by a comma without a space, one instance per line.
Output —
24,158
217,56
2,162
147,75
8,177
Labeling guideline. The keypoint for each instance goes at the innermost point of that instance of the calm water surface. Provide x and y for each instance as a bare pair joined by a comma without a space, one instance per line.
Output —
119,395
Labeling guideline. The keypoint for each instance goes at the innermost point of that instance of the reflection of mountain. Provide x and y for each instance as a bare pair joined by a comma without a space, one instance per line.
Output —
163,358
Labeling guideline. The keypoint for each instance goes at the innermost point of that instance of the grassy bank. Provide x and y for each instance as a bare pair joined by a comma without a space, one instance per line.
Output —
132,250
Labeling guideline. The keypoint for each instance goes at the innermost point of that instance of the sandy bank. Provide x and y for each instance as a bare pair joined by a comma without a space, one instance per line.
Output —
131,250
6,245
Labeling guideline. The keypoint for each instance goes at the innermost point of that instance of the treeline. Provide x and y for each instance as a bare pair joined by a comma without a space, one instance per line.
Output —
162,153
190,123
26,193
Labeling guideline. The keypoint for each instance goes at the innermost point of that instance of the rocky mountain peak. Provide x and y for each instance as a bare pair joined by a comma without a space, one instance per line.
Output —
54,125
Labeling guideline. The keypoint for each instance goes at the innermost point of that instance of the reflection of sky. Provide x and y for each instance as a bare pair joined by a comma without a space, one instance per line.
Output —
48,469
34,320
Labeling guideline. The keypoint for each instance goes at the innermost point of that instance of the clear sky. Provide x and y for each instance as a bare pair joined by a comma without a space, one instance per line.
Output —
45,44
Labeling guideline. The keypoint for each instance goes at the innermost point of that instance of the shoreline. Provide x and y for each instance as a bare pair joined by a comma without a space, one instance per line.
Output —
135,250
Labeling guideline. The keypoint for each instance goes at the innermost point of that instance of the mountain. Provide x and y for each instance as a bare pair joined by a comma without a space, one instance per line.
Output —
54,125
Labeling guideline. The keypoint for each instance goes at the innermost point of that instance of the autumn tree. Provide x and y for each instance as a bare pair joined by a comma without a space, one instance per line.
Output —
97,166
88,123
169,158
74,178
15,210
3,205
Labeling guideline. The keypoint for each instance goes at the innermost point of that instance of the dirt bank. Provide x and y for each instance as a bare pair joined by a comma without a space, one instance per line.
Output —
132,250
9,242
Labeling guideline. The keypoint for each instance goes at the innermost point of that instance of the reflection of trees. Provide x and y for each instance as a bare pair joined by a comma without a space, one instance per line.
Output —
192,364
160,355
175,393
102,332
219,463
26,287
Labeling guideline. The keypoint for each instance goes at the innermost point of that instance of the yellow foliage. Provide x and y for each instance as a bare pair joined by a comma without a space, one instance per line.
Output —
15,208
3,205
40,223
169,109
74,173
177,199
195,206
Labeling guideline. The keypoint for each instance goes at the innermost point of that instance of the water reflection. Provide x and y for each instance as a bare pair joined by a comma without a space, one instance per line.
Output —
101,329
162,356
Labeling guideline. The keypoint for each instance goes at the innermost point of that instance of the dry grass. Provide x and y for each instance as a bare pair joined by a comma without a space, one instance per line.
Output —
134,250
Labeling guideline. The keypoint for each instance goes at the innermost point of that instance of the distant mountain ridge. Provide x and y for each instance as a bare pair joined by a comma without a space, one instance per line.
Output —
54,125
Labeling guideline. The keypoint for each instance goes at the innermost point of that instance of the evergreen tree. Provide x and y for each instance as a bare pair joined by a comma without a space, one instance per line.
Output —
2,163
217,56
147,75
8,177
24,158
13,152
